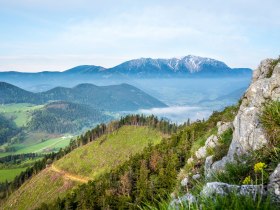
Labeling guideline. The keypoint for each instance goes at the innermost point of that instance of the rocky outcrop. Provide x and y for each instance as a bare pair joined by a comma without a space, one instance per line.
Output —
211,142
220,188
274,184
208,165
224,126
248,133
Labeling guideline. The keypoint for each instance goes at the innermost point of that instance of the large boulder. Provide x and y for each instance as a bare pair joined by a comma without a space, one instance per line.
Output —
274,184
220,188
248,133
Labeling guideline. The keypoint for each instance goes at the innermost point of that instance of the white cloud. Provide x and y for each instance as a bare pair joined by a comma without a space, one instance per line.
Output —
179,114
107,33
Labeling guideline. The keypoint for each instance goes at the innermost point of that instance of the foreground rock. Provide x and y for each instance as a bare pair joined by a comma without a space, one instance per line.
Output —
274,184
248,134
220,188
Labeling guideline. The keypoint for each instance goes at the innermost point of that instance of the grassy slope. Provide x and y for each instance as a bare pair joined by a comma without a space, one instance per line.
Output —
44,187
9,174
89,160
49,145
108,151
20,112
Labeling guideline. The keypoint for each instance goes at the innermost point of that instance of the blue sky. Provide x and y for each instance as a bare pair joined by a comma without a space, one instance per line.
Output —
55,35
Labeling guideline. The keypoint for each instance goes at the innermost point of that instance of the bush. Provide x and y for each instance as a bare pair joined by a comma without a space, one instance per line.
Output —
224,142
272,66
270,119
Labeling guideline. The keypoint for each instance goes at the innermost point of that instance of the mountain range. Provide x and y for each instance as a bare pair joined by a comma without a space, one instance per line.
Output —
121,97
147,67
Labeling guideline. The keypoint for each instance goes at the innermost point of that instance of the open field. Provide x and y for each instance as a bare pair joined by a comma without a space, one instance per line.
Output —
38,189
45,146
9,174
20,113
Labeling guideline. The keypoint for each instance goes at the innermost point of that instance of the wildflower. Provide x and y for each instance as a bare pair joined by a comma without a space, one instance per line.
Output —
247,180
259,167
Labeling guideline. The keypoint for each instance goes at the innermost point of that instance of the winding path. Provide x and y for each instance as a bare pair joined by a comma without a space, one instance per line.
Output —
70,176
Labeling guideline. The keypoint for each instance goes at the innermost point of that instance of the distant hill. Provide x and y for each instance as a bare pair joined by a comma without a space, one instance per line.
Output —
13,94
8,129
122,97
65,117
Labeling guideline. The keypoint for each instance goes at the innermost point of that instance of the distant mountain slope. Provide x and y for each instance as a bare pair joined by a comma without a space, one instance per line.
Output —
65,117
147,67
8,129
122,97
13,94
188,66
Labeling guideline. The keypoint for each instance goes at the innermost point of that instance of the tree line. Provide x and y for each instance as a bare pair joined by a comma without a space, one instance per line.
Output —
166,127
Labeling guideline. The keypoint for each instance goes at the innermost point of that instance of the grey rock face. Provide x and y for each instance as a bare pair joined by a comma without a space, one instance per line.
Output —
220,188
207,166
274,184
248,134
223,126
211,142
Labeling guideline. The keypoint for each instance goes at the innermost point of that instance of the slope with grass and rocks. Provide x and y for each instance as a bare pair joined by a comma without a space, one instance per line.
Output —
82,165
240,164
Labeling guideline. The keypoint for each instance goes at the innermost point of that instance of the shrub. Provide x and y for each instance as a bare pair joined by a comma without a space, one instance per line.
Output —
270,119
224,142
272,66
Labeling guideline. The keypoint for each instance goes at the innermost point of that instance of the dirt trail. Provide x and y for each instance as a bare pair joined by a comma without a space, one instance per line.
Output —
67,175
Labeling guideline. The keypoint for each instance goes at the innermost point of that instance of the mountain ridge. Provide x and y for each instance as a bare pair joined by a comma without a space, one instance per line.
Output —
123,97
189,65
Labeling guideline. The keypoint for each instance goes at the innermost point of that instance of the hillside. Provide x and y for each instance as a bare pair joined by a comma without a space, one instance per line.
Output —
64,117
122,97
95,158
8,129
12,94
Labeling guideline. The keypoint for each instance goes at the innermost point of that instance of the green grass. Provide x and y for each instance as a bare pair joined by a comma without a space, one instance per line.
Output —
90,160
9,174
224,143
270,119
201,141
228,202
20,113
108,151
35,146
44,187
